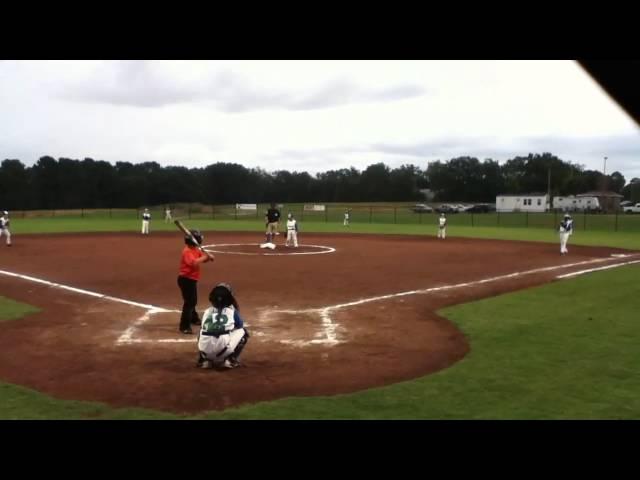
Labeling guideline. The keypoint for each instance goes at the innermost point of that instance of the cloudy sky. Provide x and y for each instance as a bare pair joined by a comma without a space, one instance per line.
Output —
310,115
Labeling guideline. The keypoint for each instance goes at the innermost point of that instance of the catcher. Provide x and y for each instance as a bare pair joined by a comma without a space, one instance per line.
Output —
222,335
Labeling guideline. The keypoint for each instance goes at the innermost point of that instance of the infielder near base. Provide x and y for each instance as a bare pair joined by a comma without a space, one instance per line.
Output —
292,232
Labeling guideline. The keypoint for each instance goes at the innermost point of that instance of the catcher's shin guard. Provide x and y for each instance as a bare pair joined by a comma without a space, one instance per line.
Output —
236,353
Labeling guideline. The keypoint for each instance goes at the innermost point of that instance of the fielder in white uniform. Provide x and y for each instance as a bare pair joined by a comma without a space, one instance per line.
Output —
292,232
146,218
442,226
4,227
566,229
167,215
222,335
346,219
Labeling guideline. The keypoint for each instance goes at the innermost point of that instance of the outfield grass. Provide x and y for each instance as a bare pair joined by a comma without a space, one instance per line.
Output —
371,213
630,240
563,350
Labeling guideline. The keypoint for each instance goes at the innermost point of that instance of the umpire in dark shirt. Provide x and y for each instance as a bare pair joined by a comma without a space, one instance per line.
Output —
272,218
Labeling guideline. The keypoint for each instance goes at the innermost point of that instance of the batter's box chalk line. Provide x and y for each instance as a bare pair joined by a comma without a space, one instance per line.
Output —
328,334
330,326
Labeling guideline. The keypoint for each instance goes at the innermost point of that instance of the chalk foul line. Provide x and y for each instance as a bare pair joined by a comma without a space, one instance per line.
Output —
329,326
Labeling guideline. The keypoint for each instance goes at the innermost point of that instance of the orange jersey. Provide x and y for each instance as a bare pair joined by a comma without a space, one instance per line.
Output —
188,267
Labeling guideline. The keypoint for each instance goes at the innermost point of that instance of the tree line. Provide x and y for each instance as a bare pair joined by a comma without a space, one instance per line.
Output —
68,183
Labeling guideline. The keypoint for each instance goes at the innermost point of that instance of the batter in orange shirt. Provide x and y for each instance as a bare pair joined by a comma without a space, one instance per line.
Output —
188,277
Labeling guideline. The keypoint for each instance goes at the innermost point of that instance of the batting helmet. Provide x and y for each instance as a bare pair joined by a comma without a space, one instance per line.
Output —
222,296
5,213
567,215
197,235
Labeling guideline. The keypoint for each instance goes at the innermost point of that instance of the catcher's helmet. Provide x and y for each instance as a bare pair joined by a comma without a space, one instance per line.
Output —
197,235
222,296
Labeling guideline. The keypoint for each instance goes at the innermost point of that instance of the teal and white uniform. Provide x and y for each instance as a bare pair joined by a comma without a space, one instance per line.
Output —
220,334
566,229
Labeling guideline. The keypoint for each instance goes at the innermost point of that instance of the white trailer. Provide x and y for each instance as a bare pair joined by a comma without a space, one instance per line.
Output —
576,204
522,203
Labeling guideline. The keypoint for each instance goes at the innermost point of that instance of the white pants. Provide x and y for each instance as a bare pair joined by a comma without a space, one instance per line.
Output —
564,237
292,238
7,233
442,232
217,349
145,227
167,217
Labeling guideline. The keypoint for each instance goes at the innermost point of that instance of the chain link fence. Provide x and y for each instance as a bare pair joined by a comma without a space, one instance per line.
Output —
358,213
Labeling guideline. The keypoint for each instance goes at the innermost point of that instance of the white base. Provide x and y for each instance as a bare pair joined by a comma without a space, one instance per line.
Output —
268,245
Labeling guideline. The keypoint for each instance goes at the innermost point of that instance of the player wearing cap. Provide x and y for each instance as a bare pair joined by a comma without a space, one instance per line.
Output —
442,226
146,218
222,336
566,229
4,227
292,232
188,277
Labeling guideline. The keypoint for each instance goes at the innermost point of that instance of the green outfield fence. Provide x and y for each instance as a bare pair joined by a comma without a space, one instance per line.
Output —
398,213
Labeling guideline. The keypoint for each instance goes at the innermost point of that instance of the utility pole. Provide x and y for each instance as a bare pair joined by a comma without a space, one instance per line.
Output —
549,186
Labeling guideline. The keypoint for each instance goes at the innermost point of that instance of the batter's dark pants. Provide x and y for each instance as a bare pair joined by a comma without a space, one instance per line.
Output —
189,289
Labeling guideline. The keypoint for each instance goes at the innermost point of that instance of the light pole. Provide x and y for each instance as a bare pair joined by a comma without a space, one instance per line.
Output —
604,172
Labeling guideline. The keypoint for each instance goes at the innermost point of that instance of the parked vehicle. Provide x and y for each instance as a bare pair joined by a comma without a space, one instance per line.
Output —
632,209
422,208
446,209
478,209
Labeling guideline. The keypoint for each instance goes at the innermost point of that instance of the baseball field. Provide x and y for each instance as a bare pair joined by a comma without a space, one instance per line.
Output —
376,320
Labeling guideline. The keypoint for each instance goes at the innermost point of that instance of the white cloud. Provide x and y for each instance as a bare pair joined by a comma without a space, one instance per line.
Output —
315,115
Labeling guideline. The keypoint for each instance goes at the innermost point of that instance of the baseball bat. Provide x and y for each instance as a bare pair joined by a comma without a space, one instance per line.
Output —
186,231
